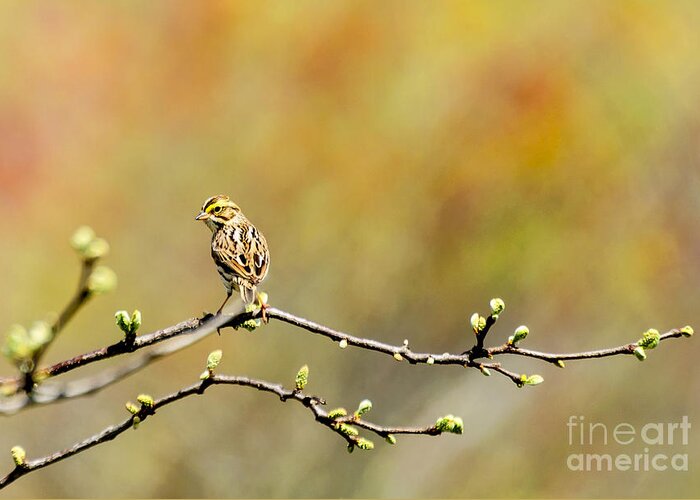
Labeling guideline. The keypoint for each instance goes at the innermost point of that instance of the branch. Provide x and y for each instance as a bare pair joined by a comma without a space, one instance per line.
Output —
193,326
599,353
468,358
81,296
26,348
51,393
208,323
341,425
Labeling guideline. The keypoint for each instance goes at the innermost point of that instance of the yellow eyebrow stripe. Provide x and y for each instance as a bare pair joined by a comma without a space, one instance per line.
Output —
214,201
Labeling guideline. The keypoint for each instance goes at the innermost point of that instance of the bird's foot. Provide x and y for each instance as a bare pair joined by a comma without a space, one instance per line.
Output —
218,316
264,306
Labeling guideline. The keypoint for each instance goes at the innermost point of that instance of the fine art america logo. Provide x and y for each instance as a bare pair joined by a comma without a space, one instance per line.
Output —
654,446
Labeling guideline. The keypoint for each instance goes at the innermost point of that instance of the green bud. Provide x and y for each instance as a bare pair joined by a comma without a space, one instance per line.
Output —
40,375
497,306
520,333
365,444
132,408
650,339
398,356
16,345
40,333
430,360
534,380
390,438
26,365
19,456
21,344
346,429
204,375
351,447
337,413
478,322
639,352
135,321
343,344
123,321
450,423
474,321
145,400
485,370
96,249
101,280
364,407
302,378
214,359
81,239
251,324
687,331
136,421
560,363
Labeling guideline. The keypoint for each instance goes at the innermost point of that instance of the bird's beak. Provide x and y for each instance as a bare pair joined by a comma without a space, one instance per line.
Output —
202,216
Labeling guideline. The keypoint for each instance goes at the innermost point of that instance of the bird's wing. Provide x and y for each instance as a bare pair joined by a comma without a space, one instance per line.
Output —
258,253
243,251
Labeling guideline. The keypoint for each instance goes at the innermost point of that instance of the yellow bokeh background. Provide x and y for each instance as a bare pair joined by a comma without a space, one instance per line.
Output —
407,161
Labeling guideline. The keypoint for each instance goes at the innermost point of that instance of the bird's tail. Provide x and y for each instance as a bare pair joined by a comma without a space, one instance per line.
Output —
247,294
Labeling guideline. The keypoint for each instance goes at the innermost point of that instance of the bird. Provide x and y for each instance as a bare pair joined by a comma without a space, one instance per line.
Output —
238,248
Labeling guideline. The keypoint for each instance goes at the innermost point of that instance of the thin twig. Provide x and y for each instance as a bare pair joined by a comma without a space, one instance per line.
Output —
478,351
555,358
82,294
311,402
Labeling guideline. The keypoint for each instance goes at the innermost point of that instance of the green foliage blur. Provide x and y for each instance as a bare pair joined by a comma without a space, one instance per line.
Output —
407,162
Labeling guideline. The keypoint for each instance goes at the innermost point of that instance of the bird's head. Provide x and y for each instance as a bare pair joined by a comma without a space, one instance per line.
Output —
217,211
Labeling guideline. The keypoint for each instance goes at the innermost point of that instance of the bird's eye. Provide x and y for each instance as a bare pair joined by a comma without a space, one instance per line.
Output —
217,209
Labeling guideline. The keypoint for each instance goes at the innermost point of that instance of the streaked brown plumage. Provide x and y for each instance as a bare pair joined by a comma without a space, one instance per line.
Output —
237,247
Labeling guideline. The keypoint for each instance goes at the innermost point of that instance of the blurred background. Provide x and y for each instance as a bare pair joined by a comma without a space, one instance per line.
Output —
407,162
